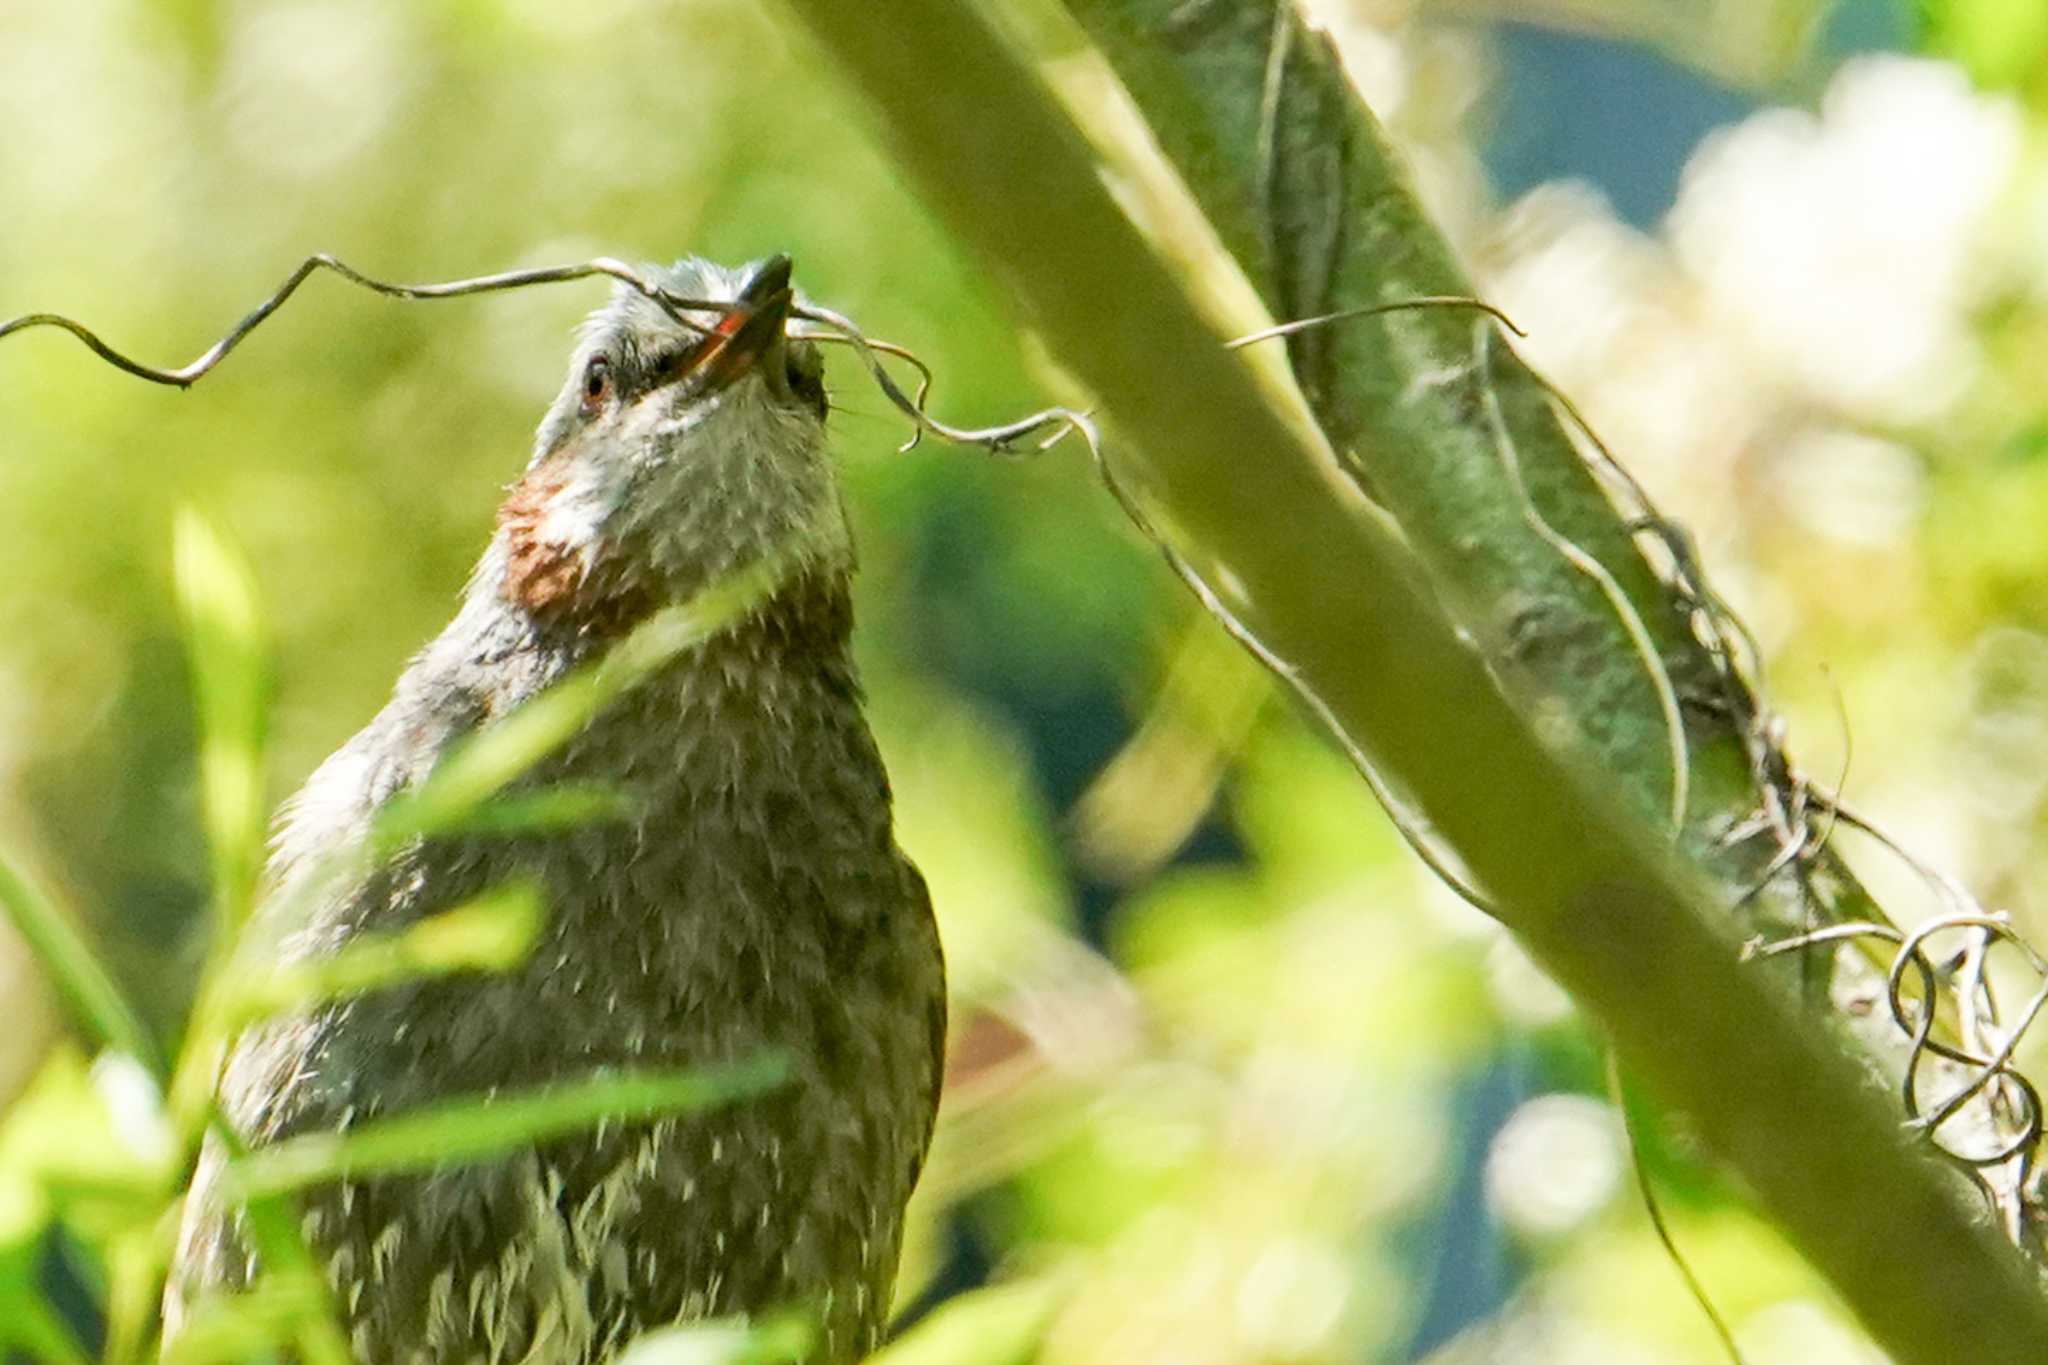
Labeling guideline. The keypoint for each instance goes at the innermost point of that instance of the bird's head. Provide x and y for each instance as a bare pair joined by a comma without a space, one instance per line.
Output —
675,454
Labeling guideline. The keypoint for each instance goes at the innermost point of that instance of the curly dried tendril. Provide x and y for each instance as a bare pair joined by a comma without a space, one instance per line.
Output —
1370,310
1052,424
830,327
185,376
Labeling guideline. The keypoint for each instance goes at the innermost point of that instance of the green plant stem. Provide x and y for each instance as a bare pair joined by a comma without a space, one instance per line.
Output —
1254,110
1280,539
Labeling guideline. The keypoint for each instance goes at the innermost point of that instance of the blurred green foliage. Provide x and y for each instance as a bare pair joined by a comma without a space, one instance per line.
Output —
1226,1065
2003,43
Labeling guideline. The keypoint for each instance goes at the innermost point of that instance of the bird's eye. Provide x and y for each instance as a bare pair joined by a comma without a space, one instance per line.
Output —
807,381
597,382
672,363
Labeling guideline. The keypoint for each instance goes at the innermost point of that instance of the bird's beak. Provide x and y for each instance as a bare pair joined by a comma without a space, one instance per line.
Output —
755,329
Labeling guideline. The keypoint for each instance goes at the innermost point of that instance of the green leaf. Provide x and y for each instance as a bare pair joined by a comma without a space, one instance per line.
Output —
87,988
781,1339
492,932
36,1328
476,771
2001,43
230,655
24,1213
1003,1325
567,805
473,1129
249,1324
278,1234
87,1144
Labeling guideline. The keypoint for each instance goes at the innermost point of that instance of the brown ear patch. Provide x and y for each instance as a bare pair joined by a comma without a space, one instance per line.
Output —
541,575
557,583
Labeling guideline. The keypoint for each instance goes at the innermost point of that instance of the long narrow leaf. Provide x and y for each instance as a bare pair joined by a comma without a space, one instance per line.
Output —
1000,1325
87,989
565,806
460,786
493,932
249,1324
230,657
471,1130
780,1340
277,1233
43,1335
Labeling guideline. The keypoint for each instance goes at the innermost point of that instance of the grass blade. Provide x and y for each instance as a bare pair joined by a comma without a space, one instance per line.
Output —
567,805
1000,1325
44,1336
87,989
249,1324
782,1339
456,793
230,655
470,1130
489,933
278,1233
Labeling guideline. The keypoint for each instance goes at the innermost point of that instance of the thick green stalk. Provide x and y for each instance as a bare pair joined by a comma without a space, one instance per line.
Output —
1281,540
1254,110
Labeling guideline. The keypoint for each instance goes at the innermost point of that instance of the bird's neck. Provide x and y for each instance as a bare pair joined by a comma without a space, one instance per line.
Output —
595,546
803,624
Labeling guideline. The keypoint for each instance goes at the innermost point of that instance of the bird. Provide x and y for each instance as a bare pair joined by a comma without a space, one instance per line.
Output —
754,898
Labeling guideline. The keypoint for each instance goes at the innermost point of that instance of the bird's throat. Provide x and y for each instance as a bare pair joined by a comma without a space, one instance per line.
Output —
554,573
